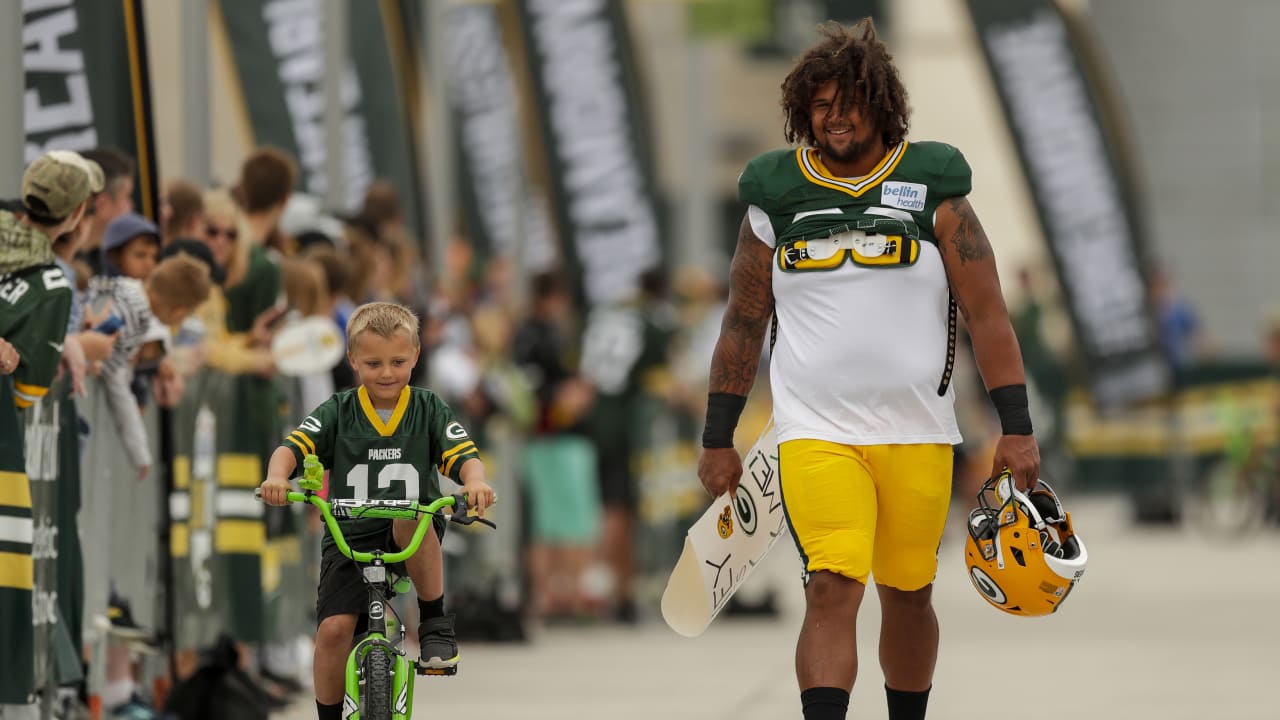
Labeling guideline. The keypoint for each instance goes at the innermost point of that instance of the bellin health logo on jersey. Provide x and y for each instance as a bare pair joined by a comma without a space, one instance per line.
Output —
905,195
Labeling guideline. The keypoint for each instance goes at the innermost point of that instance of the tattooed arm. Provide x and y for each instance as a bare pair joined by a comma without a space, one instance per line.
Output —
737,354
971,270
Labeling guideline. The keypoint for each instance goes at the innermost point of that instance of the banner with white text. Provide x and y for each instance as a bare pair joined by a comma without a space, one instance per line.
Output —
87,84
1086,205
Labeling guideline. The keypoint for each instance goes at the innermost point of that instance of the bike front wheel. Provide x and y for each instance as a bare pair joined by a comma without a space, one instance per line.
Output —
375,696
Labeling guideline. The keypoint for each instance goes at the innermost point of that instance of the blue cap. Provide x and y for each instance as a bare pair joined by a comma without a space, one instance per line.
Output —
127,227
122,230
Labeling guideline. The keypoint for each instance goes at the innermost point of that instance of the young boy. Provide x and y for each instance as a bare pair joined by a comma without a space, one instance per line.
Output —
386,440
174,289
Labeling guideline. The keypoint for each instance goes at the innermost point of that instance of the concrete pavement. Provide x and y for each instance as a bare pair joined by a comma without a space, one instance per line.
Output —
1164,625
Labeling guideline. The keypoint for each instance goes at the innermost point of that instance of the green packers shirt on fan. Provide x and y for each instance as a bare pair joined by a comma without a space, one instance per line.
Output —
865,321
395,459
34,304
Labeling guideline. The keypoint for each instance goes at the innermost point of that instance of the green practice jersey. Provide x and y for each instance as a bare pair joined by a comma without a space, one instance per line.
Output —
392,460
804,201
34,305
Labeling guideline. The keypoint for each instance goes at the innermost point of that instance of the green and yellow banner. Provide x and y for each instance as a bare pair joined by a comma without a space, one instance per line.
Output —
87,84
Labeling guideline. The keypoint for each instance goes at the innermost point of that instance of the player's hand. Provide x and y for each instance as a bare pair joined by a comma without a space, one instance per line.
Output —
1021,455
479,495
8,358
720,470
275,491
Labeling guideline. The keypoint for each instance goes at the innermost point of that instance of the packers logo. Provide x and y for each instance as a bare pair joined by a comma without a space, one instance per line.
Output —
724,524
455,431
746,507
987,586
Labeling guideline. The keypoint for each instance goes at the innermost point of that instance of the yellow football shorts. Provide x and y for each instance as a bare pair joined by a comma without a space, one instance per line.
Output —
867,509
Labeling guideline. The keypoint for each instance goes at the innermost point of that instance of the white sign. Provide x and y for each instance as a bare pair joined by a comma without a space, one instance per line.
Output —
724,546
305,346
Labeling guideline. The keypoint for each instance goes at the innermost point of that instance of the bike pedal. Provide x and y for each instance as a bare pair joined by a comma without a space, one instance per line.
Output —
437,671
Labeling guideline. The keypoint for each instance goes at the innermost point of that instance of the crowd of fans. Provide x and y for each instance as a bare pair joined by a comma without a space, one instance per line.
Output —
223,269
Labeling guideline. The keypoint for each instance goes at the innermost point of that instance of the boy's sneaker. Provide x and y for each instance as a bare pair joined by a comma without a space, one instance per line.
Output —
438,654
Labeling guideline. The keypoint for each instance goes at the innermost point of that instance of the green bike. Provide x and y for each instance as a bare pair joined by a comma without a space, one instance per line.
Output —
380,677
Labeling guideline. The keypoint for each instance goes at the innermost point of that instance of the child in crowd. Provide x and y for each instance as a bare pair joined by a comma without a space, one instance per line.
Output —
382,439
141,300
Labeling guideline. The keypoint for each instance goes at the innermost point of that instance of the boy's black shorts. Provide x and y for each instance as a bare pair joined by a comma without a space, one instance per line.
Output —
342,589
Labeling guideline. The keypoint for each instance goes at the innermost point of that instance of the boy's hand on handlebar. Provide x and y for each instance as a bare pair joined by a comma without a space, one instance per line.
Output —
479,495
275,491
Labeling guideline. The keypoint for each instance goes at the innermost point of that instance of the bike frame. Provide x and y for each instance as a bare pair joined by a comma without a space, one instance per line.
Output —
375,576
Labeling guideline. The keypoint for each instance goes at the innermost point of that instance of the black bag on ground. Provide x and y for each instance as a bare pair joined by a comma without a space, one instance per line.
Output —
219,689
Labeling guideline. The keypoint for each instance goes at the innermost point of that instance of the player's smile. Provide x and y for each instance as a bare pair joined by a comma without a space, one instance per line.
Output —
847,144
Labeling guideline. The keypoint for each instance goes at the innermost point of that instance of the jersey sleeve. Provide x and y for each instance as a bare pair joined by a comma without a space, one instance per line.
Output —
36,327
955,176
453,440
315,434
750,190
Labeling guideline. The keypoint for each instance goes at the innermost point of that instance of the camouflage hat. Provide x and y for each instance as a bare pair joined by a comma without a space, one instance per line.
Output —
58,182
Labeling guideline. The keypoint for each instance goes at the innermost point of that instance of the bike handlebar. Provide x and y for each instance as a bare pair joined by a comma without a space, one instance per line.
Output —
383,509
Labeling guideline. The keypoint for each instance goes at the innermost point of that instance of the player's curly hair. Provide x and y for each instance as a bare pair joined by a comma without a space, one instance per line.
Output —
861,64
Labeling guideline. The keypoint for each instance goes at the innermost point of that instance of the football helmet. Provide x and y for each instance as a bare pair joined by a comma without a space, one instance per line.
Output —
1022,553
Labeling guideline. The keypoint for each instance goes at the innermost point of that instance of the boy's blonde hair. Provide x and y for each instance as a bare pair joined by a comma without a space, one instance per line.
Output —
180,281
383,319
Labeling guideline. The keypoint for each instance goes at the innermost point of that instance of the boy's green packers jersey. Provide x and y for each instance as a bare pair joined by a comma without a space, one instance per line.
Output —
34,305
395,460
805,201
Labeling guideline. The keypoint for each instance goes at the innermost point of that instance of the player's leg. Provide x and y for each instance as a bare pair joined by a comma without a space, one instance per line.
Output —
341,601
426,567
437,638
333,644
914,483
830,504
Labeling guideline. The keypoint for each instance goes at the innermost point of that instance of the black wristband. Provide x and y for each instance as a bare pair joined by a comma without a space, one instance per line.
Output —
723,410
1011,405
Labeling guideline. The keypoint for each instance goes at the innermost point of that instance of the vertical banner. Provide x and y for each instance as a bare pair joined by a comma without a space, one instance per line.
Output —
505,217
278,50
56,659
87,83
196,581
17,666
585,95
386,69
1084,204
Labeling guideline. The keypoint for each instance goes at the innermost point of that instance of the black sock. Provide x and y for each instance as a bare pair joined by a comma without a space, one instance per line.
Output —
328,712
428,609
824,703
906,704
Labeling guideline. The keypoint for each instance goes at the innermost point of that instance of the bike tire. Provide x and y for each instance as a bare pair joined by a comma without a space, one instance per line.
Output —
375,697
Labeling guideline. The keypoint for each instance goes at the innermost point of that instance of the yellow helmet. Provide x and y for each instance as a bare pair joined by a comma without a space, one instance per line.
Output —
1022,553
